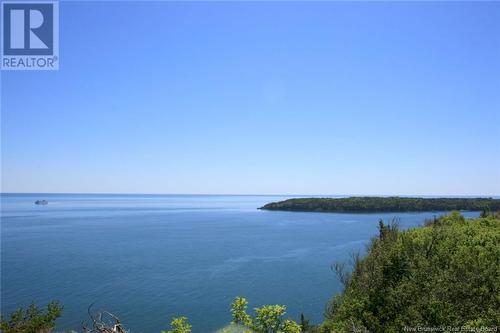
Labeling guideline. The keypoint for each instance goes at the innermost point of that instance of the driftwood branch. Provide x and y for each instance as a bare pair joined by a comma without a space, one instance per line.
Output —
103,322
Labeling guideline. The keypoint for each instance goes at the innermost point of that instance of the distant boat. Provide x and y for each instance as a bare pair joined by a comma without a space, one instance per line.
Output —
41,202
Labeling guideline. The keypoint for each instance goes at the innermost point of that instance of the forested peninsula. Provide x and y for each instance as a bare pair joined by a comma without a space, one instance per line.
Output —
385,204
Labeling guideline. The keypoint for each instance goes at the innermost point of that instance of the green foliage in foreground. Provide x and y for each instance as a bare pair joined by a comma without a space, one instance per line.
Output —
268,318
385,204
179,325
239,312
446,273
32,320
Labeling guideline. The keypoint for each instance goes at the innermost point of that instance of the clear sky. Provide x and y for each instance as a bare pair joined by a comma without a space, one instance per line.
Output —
261,98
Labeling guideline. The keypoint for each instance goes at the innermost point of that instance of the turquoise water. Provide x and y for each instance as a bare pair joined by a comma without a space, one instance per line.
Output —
148,258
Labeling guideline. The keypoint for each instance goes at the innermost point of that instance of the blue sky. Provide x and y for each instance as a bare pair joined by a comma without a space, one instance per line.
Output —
261,98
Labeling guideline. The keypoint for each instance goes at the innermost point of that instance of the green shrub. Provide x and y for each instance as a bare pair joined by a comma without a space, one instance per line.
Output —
446,273
268,318
238,311
32,320
179,325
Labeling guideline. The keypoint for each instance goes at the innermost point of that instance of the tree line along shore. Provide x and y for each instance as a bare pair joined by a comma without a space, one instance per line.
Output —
385,204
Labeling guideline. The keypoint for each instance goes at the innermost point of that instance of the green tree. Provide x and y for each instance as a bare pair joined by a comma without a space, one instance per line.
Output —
485,212
238,311
443,274
32,320
305,324
290,326
268,318
179,325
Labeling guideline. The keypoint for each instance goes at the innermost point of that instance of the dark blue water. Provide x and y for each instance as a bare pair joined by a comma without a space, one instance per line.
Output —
148,258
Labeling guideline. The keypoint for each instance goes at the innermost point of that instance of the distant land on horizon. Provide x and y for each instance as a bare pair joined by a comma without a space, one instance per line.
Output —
367,204
295,195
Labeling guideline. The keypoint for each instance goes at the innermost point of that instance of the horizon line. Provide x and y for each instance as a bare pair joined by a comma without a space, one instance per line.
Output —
254,194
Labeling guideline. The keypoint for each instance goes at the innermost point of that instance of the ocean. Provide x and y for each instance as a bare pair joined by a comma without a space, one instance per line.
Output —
147,258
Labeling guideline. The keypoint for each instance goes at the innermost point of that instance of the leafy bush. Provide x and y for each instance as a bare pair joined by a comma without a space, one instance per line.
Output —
268,318
289,326
238,311
446,273
32,320
179,325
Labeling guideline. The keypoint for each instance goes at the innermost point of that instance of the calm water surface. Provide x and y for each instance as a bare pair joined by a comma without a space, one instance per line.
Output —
148,258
